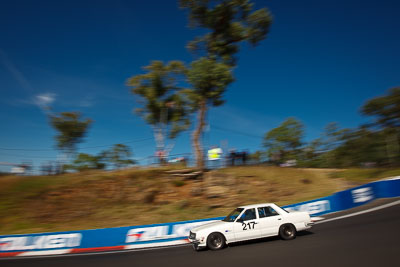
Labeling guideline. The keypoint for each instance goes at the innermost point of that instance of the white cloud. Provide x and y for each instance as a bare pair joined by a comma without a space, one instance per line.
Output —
44,100
86,102
15,72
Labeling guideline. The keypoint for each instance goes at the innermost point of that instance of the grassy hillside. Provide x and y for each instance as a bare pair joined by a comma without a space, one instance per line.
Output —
365,175
99,199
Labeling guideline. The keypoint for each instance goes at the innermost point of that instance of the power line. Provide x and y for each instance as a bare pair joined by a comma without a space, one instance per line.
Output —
100,146
236,132
53,157
27,157
89,147
128,142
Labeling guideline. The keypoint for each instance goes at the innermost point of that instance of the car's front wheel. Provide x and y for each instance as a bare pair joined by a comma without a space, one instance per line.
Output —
287,231
215,241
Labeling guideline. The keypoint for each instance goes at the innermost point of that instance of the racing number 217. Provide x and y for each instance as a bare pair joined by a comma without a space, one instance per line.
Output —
248,226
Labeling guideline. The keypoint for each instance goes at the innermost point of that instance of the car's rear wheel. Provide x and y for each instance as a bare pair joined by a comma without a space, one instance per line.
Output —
215,241
287,231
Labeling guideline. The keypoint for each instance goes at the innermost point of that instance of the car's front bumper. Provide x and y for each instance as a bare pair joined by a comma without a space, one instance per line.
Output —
309,224
195,240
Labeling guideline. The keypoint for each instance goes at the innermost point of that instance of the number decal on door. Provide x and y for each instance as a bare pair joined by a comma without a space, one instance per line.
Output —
248,226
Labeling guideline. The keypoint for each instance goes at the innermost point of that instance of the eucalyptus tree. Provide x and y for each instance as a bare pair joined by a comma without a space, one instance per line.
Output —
119,155
161,102
284,141
385,109
386,113
209,80
84,161
71,128
227,23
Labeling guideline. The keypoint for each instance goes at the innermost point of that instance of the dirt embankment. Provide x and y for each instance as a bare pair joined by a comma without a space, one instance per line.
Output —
134,197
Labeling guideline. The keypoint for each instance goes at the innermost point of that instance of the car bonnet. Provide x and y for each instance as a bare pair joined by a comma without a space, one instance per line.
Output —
209,226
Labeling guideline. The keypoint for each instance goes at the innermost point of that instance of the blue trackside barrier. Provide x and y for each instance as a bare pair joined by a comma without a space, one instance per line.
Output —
350,198
339,201
314,207
102,239
387,188
166,234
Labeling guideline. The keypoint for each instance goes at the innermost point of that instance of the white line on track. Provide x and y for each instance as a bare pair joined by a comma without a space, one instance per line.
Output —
360,212
95,253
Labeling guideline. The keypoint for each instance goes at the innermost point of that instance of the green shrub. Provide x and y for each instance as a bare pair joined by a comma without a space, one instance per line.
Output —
178,183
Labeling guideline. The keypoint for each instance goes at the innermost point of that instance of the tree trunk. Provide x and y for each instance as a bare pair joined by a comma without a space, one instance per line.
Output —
159,137
196,135
392,149
160,142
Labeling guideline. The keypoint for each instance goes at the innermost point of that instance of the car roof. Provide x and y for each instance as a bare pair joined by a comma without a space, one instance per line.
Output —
256,205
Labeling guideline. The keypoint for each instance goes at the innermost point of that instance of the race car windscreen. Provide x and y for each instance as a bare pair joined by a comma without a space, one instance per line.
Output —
233,215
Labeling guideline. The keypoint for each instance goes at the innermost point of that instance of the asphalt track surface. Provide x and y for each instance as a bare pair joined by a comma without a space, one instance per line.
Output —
371,239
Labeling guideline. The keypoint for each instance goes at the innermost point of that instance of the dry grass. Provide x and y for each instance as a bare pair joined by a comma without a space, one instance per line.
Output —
282,185
100,199
361,176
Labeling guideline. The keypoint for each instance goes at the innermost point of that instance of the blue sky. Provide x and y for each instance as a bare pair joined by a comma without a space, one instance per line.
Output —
320,62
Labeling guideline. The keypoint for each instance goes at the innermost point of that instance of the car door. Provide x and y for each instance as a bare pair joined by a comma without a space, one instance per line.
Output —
270,221
247,226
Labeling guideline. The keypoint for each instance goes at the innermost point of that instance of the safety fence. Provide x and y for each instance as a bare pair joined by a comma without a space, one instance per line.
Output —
168,234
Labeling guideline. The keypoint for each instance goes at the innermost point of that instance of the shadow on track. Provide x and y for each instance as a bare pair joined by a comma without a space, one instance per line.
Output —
261,240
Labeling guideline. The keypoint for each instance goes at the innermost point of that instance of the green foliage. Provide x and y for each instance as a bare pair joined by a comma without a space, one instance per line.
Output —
178,183
331,137
360,147
209,80
85,162
256,156
119,155
373,145
346,148
228,23
386,109
72,129
158,93
283,142
355,148
386,112
321,152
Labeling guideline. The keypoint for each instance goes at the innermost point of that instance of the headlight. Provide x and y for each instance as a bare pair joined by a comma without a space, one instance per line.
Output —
192,235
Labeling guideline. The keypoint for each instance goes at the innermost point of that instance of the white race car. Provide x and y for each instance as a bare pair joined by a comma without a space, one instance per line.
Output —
250,222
